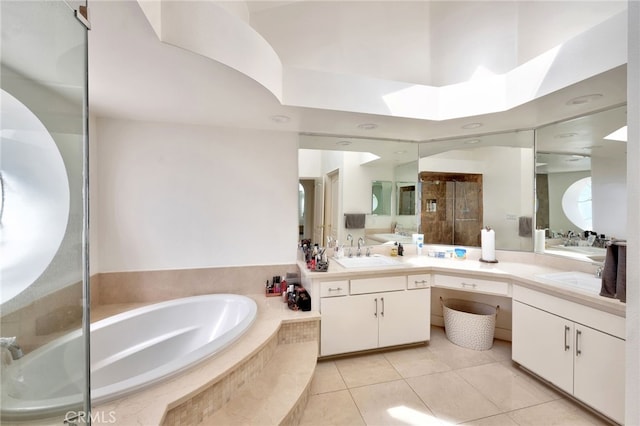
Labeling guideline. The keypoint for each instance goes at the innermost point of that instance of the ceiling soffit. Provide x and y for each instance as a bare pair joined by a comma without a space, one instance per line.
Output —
227,37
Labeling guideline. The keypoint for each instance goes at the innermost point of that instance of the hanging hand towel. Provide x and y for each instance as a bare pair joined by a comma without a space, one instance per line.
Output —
524,226
354,220
610,272
621,277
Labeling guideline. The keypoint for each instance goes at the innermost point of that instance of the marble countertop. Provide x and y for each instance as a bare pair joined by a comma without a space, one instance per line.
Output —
520,268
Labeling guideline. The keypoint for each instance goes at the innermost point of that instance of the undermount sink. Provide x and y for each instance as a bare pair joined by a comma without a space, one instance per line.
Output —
577,280
367,261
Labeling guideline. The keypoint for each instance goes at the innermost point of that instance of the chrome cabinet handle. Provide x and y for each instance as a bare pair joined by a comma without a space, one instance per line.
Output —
376,302
567,329
422,283
472,285
382,299
578,334
335,289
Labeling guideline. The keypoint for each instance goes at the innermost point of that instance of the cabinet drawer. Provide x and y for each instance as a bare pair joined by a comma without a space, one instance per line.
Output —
334,288
376,285
419,281
472,284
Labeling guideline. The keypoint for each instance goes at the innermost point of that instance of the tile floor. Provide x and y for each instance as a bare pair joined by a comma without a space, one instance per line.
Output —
436,384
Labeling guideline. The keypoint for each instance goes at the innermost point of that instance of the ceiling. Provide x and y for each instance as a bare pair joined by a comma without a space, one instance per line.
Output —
135,76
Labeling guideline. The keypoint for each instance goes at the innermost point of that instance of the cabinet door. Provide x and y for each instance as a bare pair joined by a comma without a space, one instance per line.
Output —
543,343
348,324
599,371
404,317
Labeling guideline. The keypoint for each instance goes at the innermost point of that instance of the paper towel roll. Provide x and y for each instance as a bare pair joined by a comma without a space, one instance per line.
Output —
538,245
488,242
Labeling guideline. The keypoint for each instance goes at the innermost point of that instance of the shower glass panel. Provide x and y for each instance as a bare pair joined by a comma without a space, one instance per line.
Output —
43,218
467,213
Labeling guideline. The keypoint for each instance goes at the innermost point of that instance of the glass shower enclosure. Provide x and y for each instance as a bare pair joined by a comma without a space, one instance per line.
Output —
44,273
452,209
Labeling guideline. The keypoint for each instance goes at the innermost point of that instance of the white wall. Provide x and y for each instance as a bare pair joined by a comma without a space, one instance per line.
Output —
609,196
176,196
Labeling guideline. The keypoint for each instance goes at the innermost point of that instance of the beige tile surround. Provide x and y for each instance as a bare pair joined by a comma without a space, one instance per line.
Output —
60,312
198,408
157,286
191,396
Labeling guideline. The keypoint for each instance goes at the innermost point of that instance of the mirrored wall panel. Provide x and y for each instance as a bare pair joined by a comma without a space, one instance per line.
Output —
377,178
581,167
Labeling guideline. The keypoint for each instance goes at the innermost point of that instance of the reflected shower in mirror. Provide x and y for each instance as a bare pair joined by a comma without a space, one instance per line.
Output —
500,169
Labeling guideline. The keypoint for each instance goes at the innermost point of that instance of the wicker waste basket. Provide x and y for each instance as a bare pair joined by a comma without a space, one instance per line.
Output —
469,324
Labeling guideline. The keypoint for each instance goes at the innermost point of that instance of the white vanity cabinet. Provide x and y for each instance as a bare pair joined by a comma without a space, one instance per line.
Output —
579,349
377,312
477,285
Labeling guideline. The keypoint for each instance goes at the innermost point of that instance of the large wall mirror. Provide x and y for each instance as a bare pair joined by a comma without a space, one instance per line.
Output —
376,178
449,189
581,183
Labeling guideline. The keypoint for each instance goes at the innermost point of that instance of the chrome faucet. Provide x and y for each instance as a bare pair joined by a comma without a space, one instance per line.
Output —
599,271
360,244
10,344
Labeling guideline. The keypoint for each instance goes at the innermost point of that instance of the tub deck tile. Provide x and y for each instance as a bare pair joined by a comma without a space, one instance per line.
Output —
275,393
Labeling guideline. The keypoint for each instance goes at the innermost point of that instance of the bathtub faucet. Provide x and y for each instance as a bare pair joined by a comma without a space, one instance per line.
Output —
12,346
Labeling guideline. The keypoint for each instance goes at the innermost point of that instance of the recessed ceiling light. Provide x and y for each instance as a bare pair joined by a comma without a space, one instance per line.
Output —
280,118
367,126
565,135
400,152
343,143
472,141
584,99
472,125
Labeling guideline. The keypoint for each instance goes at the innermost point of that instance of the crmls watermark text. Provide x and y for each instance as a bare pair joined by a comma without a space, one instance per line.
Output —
95,416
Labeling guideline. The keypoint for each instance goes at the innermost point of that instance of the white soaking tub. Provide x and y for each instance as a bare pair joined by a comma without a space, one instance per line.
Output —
129,351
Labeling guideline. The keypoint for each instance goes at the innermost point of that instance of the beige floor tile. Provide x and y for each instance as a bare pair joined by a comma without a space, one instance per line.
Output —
456,356
326,378
505,387
392,403
561,412
451,398
366,370
499,420
500,351
415,362
331,409
483,387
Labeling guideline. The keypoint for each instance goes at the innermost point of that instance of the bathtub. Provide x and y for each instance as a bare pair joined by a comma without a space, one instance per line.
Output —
129,352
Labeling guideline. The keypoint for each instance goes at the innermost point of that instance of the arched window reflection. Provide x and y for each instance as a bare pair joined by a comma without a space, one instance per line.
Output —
576,204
